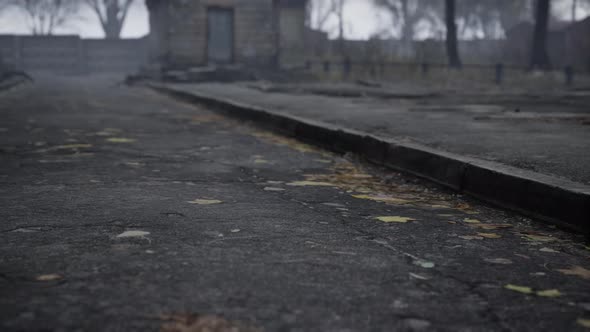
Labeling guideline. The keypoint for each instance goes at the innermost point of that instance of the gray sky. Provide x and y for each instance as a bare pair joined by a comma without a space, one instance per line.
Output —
362,21
86,24
360,15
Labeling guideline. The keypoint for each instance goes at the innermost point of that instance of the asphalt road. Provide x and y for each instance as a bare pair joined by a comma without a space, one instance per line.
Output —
124,210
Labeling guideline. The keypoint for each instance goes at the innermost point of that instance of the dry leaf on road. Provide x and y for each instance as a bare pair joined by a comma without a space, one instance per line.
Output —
576,271
205,201
201,323
397,219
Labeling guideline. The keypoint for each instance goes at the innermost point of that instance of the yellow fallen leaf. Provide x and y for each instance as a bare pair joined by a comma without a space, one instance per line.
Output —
71,146
130,234
463,206
261,161
489,235
538,238
383,199
310,184
576,271
49,277
549,293
395,219
273,189
280,140
471,221
120,140
520,289
201,323
548,250
490,227
503,261
439,206
585,322
424,264
205,201
417,276
65,147
471,237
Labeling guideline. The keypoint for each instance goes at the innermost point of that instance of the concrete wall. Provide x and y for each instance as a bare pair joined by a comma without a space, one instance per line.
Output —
179,30
568,46
71,54
186,33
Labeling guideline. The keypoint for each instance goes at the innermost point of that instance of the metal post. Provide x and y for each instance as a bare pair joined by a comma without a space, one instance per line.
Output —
425,69
569,75
372,72
346,67
499,74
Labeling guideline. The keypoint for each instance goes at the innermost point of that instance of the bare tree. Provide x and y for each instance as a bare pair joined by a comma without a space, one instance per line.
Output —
4,4
579,5
319,13
407,14
44,16
339,5
112,15
452,42
539,55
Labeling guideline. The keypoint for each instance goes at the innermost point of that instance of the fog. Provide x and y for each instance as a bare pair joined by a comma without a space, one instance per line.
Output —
362,20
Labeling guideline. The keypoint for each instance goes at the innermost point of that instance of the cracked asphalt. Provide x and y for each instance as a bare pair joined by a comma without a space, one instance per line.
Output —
126,210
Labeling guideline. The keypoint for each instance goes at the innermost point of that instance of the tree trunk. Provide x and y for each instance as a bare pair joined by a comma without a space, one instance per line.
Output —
452,43
574,9
539,55
340,14
408,29
113,25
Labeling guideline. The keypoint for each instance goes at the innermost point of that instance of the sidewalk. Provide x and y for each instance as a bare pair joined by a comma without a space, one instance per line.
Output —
549,136
539,138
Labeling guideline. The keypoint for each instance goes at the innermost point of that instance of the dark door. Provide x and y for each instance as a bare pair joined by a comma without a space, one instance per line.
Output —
220,42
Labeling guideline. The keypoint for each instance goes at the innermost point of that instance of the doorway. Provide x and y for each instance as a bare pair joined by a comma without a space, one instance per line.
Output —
220,35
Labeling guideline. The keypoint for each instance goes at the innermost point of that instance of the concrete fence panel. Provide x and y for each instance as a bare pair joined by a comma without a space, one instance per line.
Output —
71,54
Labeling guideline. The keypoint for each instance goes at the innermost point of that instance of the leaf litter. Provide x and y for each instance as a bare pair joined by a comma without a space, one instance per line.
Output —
132,234
201,323
284,141
395,219
530,291
199,201
577,271
49,277
120,140
345,175
584,322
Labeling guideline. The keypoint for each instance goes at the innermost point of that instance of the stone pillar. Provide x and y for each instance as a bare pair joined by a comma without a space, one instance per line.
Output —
157,39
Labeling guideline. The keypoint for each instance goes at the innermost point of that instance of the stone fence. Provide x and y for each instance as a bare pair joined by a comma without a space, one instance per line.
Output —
72,54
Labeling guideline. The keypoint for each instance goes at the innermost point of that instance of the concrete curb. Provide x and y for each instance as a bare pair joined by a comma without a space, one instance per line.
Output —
551,199
9,84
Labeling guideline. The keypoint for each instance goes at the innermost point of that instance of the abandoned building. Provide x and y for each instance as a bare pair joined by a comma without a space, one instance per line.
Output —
192,33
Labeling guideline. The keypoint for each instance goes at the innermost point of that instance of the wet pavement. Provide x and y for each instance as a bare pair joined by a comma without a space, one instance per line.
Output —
126,210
